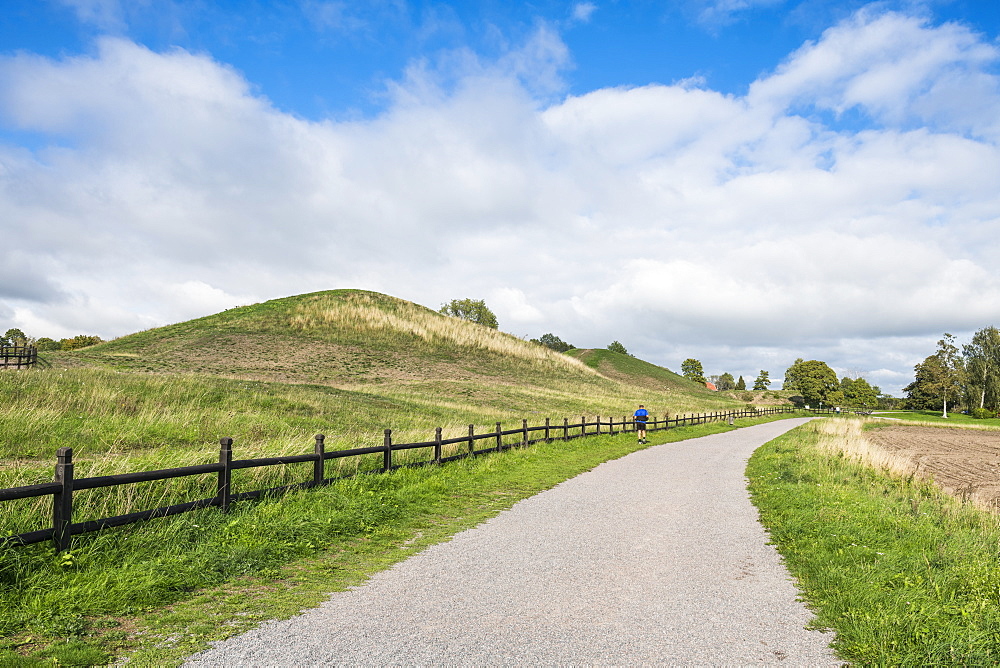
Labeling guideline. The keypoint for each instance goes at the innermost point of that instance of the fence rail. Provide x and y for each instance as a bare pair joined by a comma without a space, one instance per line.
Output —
18,357
64,484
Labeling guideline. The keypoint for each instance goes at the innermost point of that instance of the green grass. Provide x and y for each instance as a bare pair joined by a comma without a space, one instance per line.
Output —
935,417
905,574
160,590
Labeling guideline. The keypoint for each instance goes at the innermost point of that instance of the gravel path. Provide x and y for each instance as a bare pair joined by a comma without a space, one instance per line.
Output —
654,558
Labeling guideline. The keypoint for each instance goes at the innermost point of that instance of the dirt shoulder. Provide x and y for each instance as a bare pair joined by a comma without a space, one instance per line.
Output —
963,462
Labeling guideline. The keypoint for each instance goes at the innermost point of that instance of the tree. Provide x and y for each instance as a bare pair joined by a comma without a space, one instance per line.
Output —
554,342
726,382
952,372
473,310
858,392
791,381
814,380
617,347
922,392
741,384
691,368
80,341
762,382
45,343
14,337
982,364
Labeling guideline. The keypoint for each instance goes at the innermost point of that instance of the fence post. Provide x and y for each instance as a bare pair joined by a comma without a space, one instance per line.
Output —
437,445
62,501
583,425
472,440
598,425
499,438
524,426
222,487
318,465
547,426
565,429
387,453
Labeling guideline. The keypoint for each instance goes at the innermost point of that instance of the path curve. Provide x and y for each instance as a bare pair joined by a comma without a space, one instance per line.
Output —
654,558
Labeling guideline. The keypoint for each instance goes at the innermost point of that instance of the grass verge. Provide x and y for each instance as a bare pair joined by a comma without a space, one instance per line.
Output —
905,574
935,417
159,591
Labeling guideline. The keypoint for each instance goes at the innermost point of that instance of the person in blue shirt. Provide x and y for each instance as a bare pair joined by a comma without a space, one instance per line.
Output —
640,417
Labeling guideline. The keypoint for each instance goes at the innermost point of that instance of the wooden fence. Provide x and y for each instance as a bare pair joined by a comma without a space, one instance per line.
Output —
18,357
64,485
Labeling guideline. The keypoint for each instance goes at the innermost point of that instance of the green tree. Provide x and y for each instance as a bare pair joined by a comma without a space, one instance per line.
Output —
922,393
473,310
741,384
858,392
80,341
14,337
952,372
982,364
617,347
762,382
726,382
692,370
791,381
554,342
45,343
814,380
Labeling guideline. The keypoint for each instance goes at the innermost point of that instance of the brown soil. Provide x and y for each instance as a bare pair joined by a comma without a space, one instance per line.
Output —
963,462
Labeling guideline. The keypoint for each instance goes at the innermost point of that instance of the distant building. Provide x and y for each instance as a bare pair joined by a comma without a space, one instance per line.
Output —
711,386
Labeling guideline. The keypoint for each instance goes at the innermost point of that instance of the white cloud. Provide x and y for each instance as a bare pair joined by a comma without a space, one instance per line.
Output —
714,13
511,305
582,11
896,68
744,231
106,15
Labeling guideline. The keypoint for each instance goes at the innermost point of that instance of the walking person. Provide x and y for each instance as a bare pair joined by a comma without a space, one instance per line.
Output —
640,417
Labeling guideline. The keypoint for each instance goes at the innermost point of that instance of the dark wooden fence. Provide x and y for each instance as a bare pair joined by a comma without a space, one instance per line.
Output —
62,488
18,357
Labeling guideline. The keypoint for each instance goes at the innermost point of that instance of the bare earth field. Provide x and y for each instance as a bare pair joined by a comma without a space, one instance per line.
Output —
963,462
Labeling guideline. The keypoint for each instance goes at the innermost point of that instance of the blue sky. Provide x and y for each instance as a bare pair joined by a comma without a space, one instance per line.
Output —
745,182
332,59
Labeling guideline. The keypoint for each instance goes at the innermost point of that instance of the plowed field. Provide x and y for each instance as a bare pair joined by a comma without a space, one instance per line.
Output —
963,462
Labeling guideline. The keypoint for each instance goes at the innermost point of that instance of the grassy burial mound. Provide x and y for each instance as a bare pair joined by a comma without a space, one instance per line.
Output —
346,363
636,372
338,337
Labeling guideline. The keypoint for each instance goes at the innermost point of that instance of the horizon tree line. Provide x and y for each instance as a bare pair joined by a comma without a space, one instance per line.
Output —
968,377
14,337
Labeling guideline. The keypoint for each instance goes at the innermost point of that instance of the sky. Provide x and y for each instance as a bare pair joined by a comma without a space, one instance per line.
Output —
743,182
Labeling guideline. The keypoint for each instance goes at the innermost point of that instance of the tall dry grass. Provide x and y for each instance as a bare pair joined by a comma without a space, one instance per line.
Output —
362,313
846,436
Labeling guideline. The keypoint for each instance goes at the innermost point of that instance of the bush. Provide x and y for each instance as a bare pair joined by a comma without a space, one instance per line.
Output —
80,341
617,347
473,310
45,344
981,413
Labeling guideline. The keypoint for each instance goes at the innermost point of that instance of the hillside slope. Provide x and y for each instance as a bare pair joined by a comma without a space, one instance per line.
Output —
634,371
339,337
344,362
